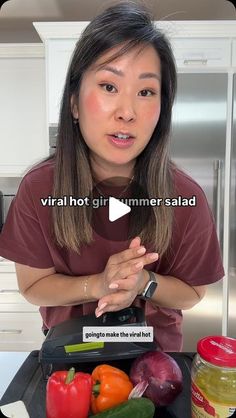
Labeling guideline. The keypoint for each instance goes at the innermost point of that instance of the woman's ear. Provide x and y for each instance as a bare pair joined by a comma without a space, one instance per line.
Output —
74,107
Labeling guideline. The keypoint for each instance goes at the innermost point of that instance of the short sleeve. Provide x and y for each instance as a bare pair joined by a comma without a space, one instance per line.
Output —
22,239
195,255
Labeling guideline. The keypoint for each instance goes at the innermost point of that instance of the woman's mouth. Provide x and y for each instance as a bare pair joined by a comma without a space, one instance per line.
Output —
121,140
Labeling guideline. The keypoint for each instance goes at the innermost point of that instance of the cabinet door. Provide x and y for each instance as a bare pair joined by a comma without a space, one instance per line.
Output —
20,332
58,54
23,130
202,53
10,298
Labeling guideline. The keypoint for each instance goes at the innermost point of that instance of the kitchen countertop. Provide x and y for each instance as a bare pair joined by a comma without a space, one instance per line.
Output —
29,386
10,362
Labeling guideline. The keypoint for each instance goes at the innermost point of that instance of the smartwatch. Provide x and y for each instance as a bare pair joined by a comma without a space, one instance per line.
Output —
150,287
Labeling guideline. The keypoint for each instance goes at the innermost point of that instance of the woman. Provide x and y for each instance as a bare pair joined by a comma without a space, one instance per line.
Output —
113,132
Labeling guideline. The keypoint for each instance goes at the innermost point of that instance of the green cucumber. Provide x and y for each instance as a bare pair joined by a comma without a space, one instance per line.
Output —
133,408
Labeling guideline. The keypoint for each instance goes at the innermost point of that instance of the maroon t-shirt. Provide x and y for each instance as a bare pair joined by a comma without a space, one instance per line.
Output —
27,239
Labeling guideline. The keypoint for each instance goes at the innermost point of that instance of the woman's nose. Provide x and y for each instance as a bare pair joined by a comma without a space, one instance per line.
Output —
125,110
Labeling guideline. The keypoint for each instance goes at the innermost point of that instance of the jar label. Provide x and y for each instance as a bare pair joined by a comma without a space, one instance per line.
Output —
203,408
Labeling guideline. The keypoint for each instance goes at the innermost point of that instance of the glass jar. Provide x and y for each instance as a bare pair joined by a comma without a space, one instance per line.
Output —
213,375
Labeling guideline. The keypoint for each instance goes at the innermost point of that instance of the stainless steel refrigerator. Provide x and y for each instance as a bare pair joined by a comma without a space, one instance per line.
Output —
232,243
199,147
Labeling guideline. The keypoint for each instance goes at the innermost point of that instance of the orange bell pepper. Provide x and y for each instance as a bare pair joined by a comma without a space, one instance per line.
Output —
111,387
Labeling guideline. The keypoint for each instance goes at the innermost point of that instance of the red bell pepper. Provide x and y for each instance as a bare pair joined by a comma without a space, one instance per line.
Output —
68,394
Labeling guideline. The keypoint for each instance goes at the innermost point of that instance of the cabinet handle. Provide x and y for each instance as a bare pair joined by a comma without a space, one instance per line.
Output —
9,291
195,61
10,331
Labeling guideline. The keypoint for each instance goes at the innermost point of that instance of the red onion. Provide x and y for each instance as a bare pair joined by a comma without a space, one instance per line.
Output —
164,377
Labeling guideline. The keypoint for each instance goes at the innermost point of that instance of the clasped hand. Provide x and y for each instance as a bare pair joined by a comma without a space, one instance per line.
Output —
124,278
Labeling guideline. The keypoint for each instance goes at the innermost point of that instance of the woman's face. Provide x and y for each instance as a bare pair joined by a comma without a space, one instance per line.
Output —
119,105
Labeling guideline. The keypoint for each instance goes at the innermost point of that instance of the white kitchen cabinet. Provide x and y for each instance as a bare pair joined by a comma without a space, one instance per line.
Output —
197,46
10,297
20,321
59,39
23,128
59,54
20,331
202,53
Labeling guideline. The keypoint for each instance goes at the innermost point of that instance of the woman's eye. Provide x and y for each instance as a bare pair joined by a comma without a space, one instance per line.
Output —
108,87
146,93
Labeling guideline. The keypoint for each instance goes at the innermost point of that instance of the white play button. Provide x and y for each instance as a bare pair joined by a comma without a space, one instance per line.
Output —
117,209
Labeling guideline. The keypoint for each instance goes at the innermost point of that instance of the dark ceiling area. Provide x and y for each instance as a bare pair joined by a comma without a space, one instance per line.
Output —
16,16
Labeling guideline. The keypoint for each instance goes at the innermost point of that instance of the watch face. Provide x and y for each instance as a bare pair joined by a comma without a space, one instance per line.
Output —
151,289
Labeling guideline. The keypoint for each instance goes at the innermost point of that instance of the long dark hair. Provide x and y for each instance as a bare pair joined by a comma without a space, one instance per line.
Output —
129,25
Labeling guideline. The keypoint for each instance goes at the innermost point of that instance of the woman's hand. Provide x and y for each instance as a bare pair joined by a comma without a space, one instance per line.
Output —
123,278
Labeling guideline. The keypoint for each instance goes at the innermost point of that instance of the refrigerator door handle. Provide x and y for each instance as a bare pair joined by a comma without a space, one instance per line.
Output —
218,168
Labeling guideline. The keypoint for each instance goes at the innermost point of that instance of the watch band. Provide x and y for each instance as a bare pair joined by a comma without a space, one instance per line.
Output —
150,287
